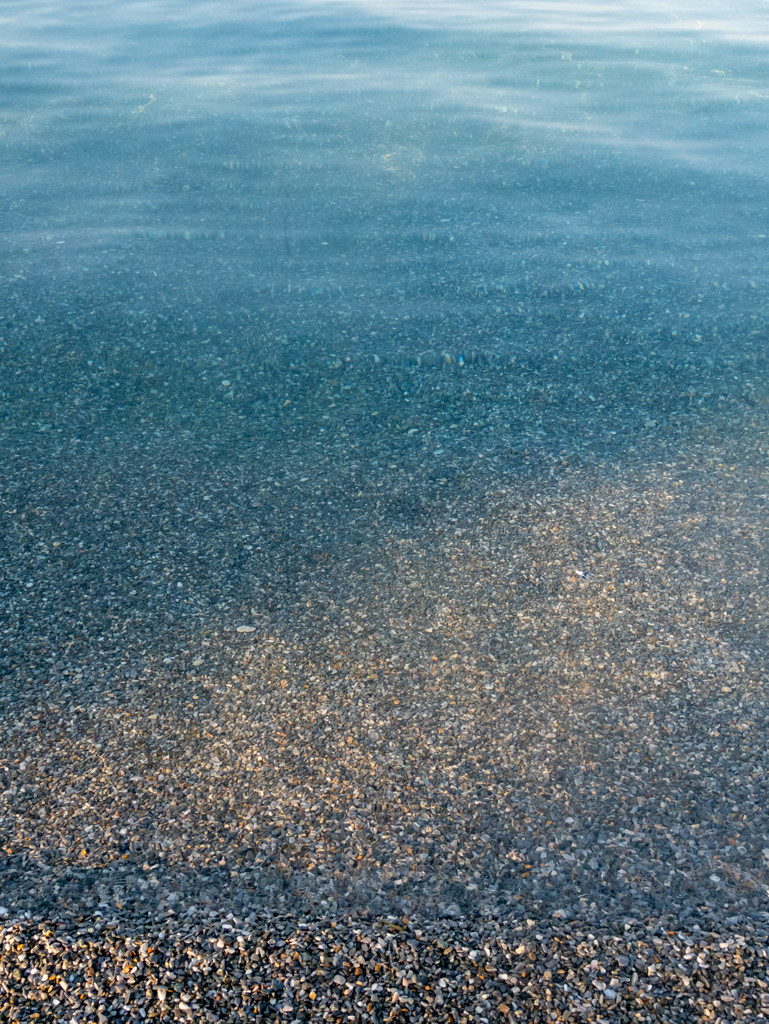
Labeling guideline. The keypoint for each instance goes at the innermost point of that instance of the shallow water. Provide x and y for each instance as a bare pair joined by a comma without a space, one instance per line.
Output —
429,348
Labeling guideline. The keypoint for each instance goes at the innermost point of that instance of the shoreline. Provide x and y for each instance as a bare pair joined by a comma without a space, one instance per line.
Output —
453,648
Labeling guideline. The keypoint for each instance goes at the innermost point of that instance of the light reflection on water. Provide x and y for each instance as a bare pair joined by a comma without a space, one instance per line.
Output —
614,19
313,163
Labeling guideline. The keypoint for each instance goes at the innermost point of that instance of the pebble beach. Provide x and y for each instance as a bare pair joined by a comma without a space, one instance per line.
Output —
431,690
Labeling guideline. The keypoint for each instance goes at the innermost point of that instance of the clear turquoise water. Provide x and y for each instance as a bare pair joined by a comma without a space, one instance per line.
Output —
307,181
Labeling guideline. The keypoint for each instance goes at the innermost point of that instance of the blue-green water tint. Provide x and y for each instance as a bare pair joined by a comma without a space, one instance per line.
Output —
387,379
311,181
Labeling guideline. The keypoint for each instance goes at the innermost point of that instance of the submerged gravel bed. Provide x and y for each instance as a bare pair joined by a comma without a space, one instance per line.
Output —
447,683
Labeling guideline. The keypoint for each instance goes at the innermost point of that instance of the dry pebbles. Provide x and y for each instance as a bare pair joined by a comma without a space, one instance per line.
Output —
359,969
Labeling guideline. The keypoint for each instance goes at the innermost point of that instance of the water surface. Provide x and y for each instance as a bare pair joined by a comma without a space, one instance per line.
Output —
384,459
300,180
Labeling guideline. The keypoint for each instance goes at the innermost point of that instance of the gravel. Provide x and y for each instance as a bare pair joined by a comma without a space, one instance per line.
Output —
437,690
363,969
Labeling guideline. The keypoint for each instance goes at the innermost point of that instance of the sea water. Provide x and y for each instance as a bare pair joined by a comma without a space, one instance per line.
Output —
383,409
303,182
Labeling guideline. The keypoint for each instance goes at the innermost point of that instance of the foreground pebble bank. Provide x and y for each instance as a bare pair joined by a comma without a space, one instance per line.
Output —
377,970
